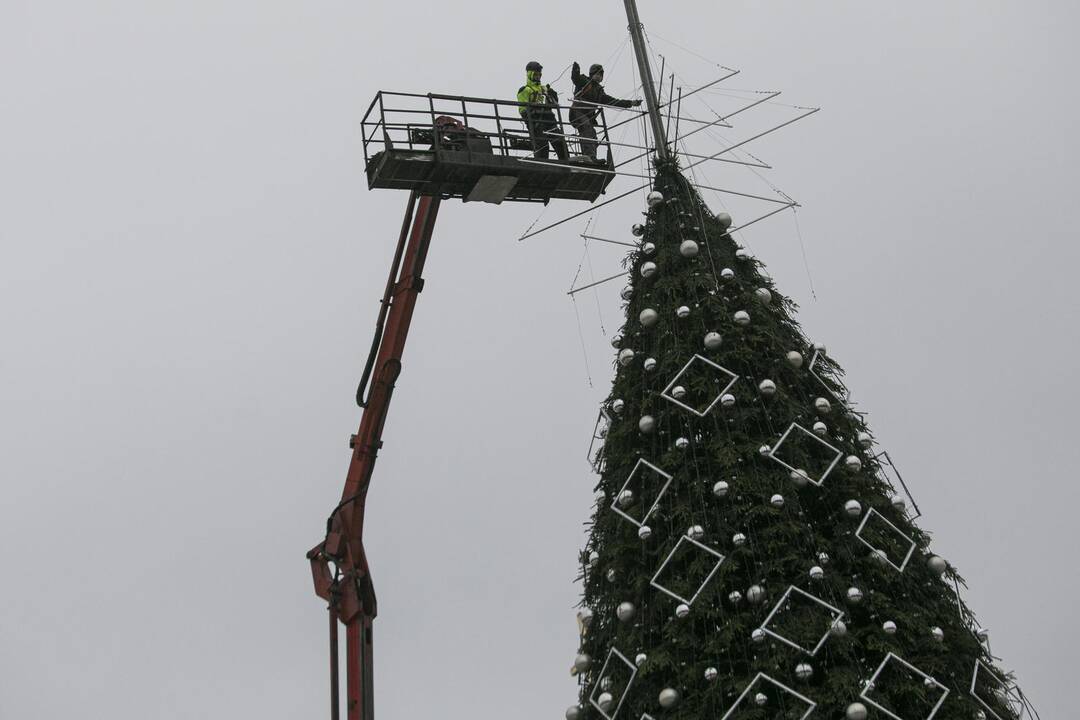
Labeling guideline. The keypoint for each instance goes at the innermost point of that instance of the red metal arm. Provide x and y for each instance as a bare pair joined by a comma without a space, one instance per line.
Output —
349,590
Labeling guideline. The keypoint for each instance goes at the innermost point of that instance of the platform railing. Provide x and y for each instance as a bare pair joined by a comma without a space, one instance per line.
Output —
413,121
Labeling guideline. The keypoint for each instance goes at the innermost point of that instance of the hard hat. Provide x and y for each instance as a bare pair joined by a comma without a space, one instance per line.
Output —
533,65
596,68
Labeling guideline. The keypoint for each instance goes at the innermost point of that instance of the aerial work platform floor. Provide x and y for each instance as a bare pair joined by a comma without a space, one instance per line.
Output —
479,150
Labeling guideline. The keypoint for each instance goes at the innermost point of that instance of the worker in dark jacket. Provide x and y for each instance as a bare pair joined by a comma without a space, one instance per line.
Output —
536,110
589,94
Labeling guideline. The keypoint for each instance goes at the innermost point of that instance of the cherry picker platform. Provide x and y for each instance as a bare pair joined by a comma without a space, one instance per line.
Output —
476,149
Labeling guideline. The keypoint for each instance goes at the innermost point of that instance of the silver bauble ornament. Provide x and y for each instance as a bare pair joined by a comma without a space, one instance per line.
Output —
764,450
605,701
648,317
647,423
648,269
734,597
855,711
767,387
626,611
738,539
637,230
879,556
795,359
822,405
889,627
838,628
853,508
650,364
585,615
640,659
682,312
695,532
723,219
800,477
865,440
937,564
854,595
582,662
742,317
626,293
688,248
821,429
644,532
777,500
755,594
727,274
761,698
763,296
611,575
727,400
711,674
819,348
816,573
898,502
606,683
758,636
573,712
803,671
678,392
937,633
979,715
682,610
626,356
594,557
648,248
617,405
668,697
720,488
852,463
712,340
682,443
823,558
626,498
616,341
742,254
654,198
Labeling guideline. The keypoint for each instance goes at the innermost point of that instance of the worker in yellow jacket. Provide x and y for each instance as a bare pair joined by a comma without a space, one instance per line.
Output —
544,127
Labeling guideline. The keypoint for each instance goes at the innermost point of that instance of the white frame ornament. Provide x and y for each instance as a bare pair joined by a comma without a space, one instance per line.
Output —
600,677
1006,687
701,546
625,485
777,683
873,683
820,481
664,393
810,369
911,541
836,613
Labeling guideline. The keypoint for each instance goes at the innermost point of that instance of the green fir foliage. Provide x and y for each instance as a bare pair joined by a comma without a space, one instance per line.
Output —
782,544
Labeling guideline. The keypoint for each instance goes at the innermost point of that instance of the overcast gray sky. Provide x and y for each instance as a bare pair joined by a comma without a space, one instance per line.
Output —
190,264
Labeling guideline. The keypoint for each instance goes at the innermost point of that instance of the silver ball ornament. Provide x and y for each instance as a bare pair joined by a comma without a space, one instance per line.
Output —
763,296
626,356
738,539
727,400
889,627
795,359
856,711
758,635
816,573
761,698
648,269
582,662
594,557
648,317
644,532
764,450
678,392
616,341
823,558
819,348
854,595
723,220
821,429
647,423
838,628
852,463
648,248
650,364
654,198
767,387
937,564
803,671
626,293
682,312
713,340
637,230
777,500
711,674
611,575
682,610
695,532
668,697
688,248
727,274
626,498
937,633
742,317
626,611
720,488
605,701
898,502
800,477
734,597
617,405
682,443
640,659
755,594
822,405
742,254
573,712
865,440
853,508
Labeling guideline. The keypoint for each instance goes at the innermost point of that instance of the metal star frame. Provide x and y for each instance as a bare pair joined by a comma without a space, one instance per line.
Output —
722,370
622,696
796,426
687,539
630,479
835,613
898,531
873,680
762,676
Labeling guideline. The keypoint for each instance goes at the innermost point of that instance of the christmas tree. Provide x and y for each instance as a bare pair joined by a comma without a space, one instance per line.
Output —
749,555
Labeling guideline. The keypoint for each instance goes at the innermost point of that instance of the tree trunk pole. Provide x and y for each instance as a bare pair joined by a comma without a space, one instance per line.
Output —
652,100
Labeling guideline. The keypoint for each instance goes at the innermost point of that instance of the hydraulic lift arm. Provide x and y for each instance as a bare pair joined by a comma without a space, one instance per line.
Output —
338,564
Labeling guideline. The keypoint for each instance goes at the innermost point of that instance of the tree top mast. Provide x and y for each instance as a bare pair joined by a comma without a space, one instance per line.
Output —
647,83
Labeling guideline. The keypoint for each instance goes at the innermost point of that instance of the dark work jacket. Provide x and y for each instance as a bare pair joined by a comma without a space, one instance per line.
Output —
586,91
